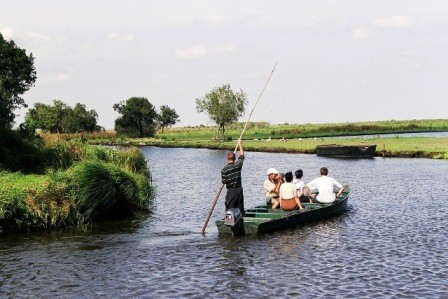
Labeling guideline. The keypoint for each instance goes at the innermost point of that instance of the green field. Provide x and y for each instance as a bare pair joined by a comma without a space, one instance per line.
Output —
434,148
263,130
304,138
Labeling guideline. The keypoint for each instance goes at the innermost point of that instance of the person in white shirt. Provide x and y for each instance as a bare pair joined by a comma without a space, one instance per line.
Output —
325,187
300,186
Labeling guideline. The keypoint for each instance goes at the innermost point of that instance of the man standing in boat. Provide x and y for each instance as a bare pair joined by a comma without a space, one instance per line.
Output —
231,177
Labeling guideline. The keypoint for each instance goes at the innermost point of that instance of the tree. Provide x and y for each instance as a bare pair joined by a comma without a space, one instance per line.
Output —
138,117
167,117
61,118
17,75
81,120
47,117
223,106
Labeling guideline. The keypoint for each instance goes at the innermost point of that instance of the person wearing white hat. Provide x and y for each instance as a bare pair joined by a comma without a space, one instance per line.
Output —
271,187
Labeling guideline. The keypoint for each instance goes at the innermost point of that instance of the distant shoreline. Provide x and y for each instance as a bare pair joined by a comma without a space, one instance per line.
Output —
295,138
409,147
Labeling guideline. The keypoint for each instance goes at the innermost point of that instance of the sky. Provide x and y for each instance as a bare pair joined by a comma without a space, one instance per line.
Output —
338,61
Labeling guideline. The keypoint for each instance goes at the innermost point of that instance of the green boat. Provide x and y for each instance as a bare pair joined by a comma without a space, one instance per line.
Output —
261,219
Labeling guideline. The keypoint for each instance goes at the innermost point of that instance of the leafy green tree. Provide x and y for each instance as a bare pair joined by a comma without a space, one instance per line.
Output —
17,75
61,118
167,117
223,106
48,117
138,117
81,120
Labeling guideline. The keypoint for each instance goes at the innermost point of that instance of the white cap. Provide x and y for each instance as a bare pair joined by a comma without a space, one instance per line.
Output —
272,170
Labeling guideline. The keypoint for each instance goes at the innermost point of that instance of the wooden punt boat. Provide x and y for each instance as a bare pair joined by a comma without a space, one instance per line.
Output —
346,151
261,219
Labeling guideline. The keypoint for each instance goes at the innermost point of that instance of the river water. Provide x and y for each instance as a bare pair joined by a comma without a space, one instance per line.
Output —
391,243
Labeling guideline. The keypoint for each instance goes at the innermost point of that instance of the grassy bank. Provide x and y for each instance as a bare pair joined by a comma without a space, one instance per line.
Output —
424,147
303,138
76,185
263,130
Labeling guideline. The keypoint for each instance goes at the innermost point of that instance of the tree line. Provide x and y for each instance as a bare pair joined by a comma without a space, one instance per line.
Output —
138,117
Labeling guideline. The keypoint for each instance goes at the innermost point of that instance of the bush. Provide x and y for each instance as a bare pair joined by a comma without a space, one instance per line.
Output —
50,207
13,212
106,184
104,191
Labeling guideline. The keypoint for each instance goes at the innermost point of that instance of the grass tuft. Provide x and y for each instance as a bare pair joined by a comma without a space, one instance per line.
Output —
105,191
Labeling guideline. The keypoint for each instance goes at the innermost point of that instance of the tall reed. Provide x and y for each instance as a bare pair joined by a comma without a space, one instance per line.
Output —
105,191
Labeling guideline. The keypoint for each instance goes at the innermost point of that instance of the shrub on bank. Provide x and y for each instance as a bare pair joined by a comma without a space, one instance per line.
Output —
105,191
81,184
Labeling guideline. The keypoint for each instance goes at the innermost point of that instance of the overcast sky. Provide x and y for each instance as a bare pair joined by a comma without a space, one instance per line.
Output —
338,61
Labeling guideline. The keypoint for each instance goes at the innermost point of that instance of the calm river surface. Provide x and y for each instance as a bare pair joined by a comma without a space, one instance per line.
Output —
391,243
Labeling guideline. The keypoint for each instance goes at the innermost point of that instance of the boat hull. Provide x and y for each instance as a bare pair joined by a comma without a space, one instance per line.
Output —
261,219
346,151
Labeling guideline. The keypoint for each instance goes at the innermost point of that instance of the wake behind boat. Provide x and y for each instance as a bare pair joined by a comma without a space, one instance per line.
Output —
261,219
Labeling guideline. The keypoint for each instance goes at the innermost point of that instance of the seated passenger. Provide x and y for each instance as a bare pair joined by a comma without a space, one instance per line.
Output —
325,187
300,186
288,195
271,188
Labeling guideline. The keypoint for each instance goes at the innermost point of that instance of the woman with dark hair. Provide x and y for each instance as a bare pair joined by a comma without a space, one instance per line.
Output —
288,195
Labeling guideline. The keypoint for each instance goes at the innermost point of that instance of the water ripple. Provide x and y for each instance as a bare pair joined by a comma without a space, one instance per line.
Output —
391,242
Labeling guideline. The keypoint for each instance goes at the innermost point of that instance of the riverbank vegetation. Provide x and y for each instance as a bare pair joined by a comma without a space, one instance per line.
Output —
264,130
67,183
421,147
54,182
300,138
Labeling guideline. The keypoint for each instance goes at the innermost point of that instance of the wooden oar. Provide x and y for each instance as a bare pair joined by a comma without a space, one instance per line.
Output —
236,147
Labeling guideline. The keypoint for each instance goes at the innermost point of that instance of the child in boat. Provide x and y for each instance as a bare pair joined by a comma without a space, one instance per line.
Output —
300,186
288,195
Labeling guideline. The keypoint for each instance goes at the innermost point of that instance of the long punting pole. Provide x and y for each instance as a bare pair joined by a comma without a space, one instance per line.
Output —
236,147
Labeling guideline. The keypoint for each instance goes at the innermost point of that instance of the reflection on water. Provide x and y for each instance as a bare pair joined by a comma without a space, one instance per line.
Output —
390,243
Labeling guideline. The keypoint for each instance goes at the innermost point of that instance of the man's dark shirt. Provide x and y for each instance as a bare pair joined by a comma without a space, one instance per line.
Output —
231,173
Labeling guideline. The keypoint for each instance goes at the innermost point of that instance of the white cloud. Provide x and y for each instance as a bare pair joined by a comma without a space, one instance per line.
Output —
8,33
120,37
160,79
394,22
88,46
413,65
37,37
55,78
361,33
215,19
227,48
191,52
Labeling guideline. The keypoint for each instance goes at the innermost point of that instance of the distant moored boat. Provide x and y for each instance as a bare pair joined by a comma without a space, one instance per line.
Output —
346,151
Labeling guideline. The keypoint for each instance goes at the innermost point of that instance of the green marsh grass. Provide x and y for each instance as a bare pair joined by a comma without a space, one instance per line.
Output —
105,191
76,184
263,130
